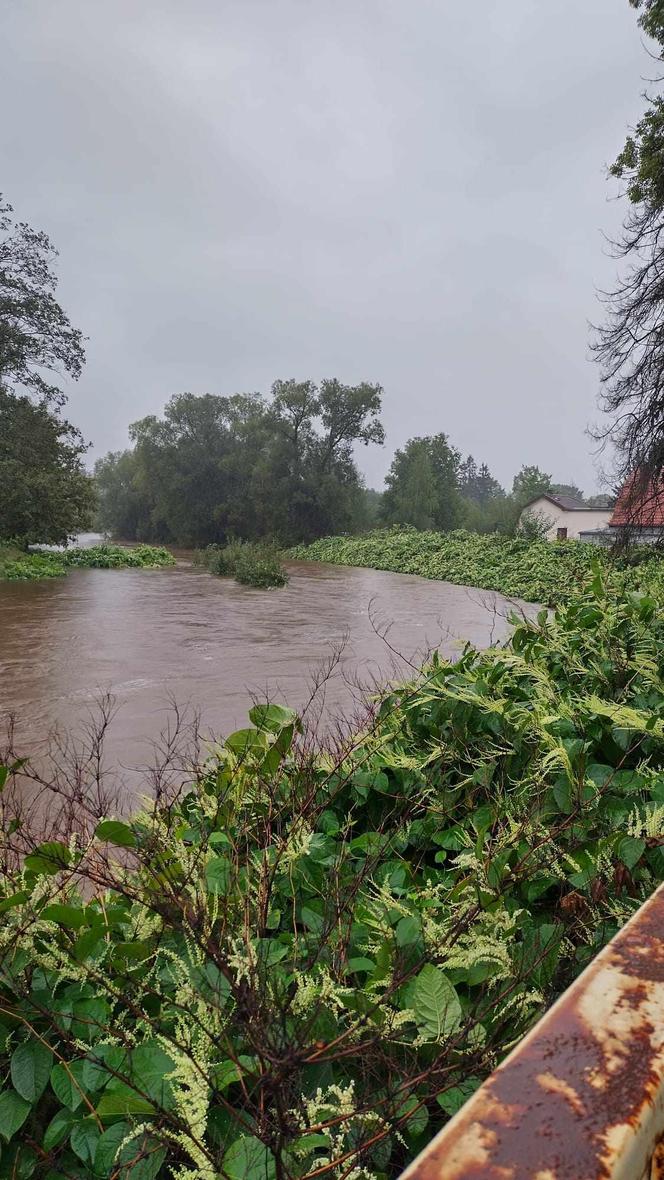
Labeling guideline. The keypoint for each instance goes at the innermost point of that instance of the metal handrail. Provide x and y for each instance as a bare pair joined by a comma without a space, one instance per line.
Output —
581,1097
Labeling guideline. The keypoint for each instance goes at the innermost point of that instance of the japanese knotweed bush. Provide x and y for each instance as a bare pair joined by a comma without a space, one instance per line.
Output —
250,563
39,564
537,571
302,965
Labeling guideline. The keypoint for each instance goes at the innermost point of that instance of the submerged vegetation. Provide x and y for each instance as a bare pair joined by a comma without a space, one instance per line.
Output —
251,564
305,962
537,571
18,565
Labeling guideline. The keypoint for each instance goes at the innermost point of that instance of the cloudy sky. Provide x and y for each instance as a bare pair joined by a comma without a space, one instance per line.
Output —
405,191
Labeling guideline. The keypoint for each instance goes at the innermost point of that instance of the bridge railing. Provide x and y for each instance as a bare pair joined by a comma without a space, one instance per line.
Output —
582,1095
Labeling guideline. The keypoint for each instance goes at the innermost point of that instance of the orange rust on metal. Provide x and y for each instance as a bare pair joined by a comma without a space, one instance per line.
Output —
657,1163
582,1096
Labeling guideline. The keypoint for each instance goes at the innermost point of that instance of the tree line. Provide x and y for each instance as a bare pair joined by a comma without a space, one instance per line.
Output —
213,468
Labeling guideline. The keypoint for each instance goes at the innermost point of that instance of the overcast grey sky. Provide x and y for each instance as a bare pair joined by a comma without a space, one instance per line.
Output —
404,191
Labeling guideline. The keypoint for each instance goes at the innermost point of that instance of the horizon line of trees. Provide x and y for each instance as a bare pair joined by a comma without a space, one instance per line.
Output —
214,468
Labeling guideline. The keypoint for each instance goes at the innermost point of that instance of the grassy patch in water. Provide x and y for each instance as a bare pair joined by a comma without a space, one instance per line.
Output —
250,563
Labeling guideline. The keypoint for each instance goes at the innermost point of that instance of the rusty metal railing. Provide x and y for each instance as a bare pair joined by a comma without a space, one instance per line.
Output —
582,1095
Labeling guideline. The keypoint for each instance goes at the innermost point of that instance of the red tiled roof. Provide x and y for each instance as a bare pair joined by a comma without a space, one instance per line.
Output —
639,506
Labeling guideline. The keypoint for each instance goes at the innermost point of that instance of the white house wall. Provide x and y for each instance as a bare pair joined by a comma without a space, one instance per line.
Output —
575,522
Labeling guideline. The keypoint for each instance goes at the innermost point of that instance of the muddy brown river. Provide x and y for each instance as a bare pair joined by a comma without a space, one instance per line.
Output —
153,637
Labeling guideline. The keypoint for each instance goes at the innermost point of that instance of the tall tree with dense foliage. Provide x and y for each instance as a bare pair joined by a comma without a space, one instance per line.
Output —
528,483
422,485
47,496
477,483
630,344
214,467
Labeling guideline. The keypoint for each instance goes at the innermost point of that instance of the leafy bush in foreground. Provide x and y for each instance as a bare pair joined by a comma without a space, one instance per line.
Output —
538,571
251,564
35,565
303,964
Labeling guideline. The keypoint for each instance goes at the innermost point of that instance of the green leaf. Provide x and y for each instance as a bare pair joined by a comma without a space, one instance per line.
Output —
309,1143
418,1120
142,1156
149,1066
107,1147
311,919
16,899
408,931
218,874
125,954
630,850
435,1003
244,741
48,858
116,832
272,717
248,1159
453,839
359,964
30,1069
14,1110
65,915
99,1065
454,1098
67,1083
152,1156
58,1129
562,793
83,1140
228,1072
119,1099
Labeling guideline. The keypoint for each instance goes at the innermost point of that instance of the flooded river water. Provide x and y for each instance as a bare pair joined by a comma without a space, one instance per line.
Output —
151,637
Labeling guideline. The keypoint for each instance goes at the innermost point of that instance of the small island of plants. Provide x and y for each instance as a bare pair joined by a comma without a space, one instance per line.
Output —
250,563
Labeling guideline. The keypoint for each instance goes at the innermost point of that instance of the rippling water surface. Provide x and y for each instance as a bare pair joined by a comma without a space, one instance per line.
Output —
151,637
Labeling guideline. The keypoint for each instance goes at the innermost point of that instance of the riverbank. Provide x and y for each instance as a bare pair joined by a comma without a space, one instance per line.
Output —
536,571
309,960
30,566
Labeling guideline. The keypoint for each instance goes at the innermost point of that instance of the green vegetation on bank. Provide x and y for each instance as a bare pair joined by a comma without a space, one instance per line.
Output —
305,963
251,564
537,571
18,565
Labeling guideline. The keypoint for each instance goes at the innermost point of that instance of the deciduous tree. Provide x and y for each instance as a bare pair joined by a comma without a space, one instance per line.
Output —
37,340
630,343
422,485
47,496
